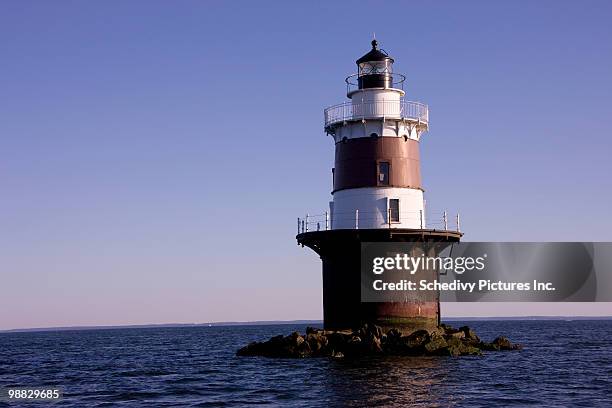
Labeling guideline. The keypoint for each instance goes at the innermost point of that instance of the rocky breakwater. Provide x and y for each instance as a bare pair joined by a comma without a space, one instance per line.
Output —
371,340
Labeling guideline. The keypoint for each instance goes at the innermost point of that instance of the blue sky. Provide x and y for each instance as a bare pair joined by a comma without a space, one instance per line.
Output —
154,155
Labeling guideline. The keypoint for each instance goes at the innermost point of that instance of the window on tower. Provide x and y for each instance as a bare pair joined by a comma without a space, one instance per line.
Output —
394,213
383,173
333,178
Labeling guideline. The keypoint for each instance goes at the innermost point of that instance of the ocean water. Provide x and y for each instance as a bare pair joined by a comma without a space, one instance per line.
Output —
564,363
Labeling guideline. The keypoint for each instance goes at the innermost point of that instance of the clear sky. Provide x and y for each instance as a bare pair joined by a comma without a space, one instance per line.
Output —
154,155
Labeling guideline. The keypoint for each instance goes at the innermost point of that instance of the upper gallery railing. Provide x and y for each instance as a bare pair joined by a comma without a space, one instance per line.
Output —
437,220
393,80
347,111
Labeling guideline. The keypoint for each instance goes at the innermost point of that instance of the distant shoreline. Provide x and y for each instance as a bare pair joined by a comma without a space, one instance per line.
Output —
279,322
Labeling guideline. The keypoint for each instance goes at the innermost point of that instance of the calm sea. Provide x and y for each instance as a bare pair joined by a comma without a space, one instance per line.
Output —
564,363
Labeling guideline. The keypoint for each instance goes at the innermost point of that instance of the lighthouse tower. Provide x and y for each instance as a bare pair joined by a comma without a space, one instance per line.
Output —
377,196
376,177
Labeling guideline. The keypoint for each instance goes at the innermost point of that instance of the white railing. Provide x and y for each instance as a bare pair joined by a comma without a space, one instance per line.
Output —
435,220
414,111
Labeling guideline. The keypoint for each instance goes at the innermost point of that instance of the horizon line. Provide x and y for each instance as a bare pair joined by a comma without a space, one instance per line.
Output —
275,322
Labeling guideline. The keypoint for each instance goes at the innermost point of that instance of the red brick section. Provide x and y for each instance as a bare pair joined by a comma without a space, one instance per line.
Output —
356,162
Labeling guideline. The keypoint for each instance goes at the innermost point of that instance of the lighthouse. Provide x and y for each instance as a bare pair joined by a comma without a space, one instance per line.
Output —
377,196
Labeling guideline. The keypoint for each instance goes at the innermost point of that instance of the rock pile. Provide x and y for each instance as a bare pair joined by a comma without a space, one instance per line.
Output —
371,340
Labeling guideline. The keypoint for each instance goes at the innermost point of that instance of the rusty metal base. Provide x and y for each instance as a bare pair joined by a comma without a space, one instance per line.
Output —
340,252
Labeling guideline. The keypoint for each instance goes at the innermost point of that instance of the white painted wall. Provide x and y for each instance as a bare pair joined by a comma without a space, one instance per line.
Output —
376,94
372,203
389,128
375,105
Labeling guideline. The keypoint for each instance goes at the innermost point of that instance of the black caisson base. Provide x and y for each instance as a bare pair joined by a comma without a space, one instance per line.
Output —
340,252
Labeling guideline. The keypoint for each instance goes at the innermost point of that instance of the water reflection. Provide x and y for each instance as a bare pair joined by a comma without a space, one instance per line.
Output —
392,381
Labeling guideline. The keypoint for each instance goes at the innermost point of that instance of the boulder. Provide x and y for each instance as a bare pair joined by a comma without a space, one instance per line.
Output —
416,339
456,347
370,340
296,339
470,335
463,350
439,331
303,350
248,350
436,344
448,331
317,342
445,327
456,334
488,346
369,330
394,334
354,347
313,330
375,345
504,344
471,351
355,340
337,341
